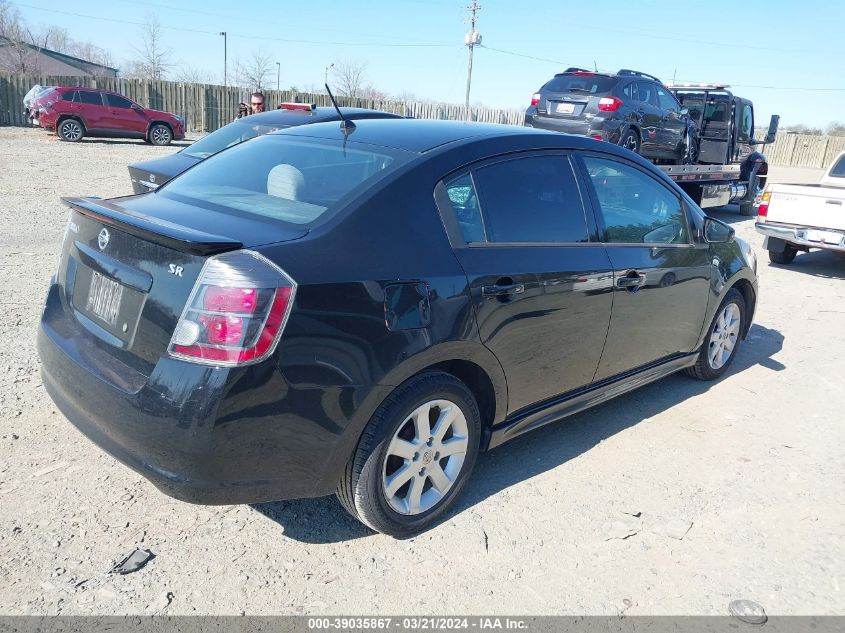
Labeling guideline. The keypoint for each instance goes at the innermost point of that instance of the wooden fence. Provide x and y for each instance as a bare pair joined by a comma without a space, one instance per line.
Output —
804,150
207,107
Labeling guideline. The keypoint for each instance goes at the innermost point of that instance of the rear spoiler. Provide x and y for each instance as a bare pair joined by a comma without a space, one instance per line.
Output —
155,230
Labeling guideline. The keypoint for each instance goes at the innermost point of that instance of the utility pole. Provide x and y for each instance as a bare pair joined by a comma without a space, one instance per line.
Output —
225,58
278,75
471,39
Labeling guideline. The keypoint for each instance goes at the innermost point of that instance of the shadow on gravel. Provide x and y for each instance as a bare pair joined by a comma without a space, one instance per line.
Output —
127,141
825,264
324,520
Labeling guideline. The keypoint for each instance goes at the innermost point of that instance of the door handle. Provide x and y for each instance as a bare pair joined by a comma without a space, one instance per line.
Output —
839,202
631,280
502,290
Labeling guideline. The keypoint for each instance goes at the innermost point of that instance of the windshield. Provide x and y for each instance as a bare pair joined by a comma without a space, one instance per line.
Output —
586,84
288,179
228,135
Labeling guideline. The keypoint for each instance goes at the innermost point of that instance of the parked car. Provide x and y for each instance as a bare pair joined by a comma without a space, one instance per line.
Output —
630,109
322,310
151,174
73,113
30,99
800,217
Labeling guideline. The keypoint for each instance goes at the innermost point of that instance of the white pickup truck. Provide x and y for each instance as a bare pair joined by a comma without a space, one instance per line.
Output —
800,217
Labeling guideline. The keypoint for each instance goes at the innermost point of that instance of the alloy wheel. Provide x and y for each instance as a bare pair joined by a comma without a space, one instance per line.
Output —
424,457
724,337
161,135
71,130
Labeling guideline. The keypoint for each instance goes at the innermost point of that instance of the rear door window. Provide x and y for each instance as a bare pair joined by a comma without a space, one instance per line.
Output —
838,170
91,98
532,200
70,96
645,92
636,208
630,91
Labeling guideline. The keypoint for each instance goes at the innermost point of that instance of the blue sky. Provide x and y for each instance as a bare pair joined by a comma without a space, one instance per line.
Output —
777,53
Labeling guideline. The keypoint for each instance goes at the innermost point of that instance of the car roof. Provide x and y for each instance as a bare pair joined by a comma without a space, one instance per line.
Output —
415,135
321,113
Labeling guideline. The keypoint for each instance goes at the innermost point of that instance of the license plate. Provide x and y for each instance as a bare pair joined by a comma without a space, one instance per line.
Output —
565,108
104,297
824,237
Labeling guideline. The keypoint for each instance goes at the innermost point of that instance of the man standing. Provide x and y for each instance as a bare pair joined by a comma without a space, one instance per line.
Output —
256,105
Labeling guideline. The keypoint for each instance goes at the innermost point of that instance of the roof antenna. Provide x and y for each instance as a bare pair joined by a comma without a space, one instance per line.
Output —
595,66
346,125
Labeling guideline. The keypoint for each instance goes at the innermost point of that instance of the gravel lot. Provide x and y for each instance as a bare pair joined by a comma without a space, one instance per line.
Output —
754,462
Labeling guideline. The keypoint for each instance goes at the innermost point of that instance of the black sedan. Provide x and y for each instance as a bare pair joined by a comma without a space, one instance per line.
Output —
151,174
363,311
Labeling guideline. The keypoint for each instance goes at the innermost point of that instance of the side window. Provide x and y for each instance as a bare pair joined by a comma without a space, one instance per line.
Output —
533,199
645,90
747,123
116,101
464,199
69,95
630,91
636,208
667,101
91,98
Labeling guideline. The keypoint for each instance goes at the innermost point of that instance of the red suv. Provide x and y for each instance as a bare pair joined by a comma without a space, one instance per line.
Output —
76,112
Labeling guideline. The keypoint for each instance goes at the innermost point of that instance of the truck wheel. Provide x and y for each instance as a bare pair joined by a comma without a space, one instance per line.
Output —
746,208
414,456
785,257
630,140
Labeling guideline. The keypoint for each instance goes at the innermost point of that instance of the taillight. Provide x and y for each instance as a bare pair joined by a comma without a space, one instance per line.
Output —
609,104
535,98
236,312
763,209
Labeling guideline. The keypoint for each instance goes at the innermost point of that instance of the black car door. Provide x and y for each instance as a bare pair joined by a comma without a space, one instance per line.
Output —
541,289
650,118
661,275
673,126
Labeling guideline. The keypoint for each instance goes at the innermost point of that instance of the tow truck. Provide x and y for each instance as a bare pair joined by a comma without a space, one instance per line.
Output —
729,168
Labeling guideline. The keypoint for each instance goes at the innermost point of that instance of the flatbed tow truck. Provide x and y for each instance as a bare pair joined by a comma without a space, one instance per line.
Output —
729,167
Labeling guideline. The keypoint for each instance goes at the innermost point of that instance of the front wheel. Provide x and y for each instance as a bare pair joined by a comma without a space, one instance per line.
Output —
414,456
722,340
160,134
630,140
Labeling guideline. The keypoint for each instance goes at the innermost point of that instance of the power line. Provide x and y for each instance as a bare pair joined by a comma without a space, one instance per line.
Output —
243,36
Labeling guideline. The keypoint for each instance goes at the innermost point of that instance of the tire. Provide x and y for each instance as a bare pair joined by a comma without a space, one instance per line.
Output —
70,130
747,209
691,150
785,257
160,134
730,319
398,426
630,140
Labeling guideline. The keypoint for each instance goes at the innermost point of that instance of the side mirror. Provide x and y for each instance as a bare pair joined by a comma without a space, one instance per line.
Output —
136,107
684,111
717,232
773,129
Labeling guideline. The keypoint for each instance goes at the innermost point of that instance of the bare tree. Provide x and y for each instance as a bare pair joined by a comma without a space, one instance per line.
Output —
350,76
17,54
154,58
193,75
253,73
90,52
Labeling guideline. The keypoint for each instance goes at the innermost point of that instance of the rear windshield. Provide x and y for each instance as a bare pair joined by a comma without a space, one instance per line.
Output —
228,135
838,170
293,180
585,84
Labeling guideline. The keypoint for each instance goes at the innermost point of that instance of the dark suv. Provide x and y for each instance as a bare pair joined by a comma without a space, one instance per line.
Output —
76,112
630,108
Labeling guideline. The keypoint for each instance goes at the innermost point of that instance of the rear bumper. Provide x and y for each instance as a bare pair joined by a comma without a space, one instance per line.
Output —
799,235
608,129
200,434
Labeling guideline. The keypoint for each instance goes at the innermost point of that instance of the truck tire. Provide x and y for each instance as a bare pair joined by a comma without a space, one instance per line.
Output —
746,209
784,257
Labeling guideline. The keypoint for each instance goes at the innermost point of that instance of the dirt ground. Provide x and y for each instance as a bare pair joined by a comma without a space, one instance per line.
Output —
755,463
